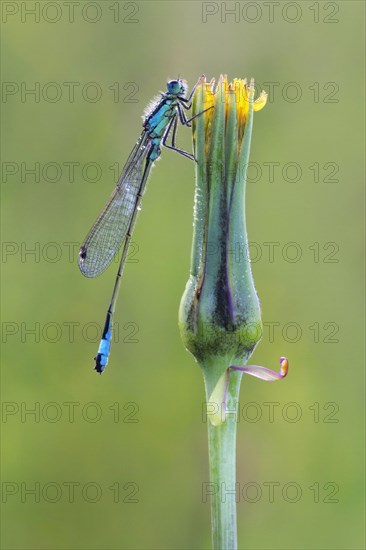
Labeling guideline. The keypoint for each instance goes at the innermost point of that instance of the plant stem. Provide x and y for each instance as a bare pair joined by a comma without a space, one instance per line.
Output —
222,460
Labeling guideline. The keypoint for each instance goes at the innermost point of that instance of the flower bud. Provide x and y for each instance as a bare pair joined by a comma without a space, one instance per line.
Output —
220,316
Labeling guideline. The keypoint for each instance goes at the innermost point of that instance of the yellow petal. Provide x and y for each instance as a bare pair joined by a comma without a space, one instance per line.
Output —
260,101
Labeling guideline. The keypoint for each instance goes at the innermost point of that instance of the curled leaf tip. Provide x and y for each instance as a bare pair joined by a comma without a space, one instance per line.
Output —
265,374
216,406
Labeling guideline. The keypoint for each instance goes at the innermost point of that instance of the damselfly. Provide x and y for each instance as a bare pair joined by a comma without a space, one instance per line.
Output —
113,228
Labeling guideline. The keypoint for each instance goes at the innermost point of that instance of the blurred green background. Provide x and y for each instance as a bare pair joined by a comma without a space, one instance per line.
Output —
316,439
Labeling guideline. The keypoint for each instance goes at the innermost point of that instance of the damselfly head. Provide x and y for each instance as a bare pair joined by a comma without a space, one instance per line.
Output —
176,87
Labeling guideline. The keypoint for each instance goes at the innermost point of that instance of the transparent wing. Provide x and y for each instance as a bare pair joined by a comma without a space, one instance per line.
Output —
107,234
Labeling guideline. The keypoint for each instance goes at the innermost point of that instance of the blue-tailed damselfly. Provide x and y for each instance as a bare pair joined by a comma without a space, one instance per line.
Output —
115,223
